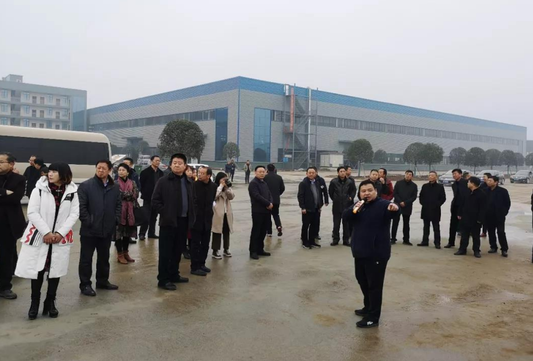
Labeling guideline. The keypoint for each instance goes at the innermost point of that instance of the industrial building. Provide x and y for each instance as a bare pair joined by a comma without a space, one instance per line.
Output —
273,122
41,106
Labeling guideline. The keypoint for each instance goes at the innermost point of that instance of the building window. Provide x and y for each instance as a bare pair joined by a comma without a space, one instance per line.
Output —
4,108
57,115
5,94
262,118
34,113
26,109
65,100
50,99
41,125
34,125
50,113
4,121
221,131
34,99
26,96
58,126
58,102
26,123
65,113
41,113
41,100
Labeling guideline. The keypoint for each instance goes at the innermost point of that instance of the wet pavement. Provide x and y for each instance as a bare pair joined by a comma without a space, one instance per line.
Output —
296,305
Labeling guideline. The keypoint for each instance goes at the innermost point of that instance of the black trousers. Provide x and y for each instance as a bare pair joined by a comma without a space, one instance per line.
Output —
436,231
310,224
277,220
232,175
260,222
468,230
85,269
494,226
454,226
37,284
370,275
122,244
247,177
152,217
337,219
171,245
406,226
199,247
217,237
8,248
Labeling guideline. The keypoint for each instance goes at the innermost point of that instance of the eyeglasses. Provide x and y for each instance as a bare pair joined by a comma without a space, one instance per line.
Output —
4,161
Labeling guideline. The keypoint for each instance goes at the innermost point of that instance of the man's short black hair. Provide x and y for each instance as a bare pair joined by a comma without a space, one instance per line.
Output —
10,157
494,178
179,156
271,167
457,170
339,168
313,168
374,170
259,166
409,171
434,172
366,182
39,161
487,174
154,157
208,171
475,181
347,166
107,162
128,159
384,170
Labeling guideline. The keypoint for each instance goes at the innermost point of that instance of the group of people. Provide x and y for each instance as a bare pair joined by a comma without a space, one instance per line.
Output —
193,208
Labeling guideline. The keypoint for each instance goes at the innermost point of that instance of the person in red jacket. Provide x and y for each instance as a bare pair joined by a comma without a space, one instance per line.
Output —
387,190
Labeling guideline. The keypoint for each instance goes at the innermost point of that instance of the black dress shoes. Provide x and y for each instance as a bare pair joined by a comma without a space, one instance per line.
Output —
423,244
88,291
142,238
265,254
334,243
8,295
477,254
437,246
205,269
407,243
153,236
254,255
180,280
361,312
460,253
504,253
167,286
106,286
493,250
198,272
449,245
347,244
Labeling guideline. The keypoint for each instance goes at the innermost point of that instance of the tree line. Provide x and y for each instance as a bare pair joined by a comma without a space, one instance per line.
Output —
360,151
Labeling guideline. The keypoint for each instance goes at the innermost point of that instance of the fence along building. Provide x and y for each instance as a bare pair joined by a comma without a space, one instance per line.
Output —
270,122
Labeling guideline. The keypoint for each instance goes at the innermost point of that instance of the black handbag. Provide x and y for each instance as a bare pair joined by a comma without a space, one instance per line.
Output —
140,214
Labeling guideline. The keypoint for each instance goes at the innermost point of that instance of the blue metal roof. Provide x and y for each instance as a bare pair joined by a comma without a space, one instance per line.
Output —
318,95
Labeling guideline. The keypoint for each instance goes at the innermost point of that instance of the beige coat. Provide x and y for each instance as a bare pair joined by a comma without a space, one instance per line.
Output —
222,197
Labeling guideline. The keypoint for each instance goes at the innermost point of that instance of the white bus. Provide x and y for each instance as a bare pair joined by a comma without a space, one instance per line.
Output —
81,150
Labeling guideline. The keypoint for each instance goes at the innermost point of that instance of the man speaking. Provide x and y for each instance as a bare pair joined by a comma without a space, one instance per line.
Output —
370,219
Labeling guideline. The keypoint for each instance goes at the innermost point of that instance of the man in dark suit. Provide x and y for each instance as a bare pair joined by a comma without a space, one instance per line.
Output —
262,206
12,222
310,201
472,216
276,187
460,193
405,194
432,197
498,205
32,175
149,178
342,192
324,193
371,248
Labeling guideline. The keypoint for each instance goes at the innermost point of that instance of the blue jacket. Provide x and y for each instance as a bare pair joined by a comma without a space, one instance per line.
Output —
371,230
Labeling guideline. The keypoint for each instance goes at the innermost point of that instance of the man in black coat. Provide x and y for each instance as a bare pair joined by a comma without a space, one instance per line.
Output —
173,201
204,192
149,178
32,175
100,212
374,177
310,200
405,193
472,216
432,197
498,205
460,193
342,192
262,205
371,248
12,222
324,193
276,187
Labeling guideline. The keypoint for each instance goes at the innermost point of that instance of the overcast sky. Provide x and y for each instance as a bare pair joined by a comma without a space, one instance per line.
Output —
472,57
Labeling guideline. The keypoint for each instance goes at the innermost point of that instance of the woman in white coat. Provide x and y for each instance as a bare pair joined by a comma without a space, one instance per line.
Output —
52,212
222,216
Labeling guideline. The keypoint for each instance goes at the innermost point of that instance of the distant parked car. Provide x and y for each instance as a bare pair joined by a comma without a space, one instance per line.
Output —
447,178
493,172
522,176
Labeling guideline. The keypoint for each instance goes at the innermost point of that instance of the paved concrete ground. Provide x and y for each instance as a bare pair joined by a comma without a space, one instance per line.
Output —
296,305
